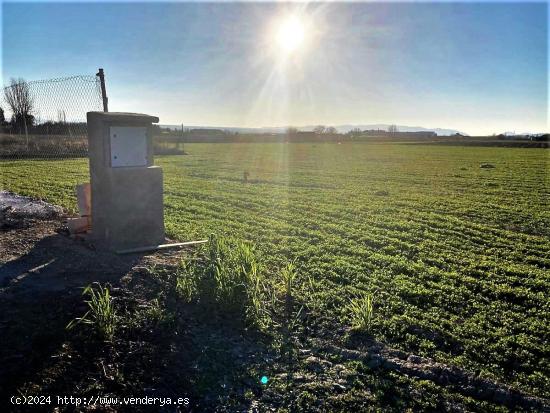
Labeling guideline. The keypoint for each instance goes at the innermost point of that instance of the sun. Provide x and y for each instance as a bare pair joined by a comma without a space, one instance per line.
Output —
290,34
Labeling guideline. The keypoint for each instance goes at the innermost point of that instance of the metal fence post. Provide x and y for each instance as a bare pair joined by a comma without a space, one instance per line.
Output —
103,91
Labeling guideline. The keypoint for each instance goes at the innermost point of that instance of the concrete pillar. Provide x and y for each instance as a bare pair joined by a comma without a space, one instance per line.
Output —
127,194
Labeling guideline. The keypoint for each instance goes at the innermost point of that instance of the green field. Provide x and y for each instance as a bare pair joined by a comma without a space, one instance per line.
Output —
456,256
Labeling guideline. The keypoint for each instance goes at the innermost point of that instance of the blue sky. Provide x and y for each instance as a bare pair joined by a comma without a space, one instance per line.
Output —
476,67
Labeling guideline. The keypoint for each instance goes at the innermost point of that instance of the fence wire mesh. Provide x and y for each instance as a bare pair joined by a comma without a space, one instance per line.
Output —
47,118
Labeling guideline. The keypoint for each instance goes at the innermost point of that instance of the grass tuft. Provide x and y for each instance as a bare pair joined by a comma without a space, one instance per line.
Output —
101,314
362,309
229,273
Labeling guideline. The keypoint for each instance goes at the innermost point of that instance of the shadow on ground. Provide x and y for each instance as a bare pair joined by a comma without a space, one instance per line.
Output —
42,274
162,348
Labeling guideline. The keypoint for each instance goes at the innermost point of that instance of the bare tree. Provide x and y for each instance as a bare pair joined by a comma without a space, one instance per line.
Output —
331,130
320,129
291,130
392,128
18,97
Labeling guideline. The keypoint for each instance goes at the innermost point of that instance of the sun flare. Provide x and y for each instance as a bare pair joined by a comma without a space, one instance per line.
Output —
290,35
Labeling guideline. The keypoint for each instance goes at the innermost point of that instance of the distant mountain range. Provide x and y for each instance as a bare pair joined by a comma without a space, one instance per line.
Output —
339,128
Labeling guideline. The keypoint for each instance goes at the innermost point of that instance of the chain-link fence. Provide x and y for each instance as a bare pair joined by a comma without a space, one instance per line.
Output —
47,118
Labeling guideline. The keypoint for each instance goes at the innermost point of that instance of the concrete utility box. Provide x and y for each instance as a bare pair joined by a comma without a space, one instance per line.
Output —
127,204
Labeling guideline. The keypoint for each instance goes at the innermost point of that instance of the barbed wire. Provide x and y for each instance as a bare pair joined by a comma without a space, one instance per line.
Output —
52,121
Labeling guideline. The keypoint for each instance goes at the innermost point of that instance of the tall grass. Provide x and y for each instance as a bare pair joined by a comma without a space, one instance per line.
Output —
101,314
230,274
362,310
187,281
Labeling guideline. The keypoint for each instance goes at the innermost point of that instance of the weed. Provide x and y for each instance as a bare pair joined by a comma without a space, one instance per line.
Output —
230,273
101,314
153,270
361,309
155,312
186,281
291,319
289,275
